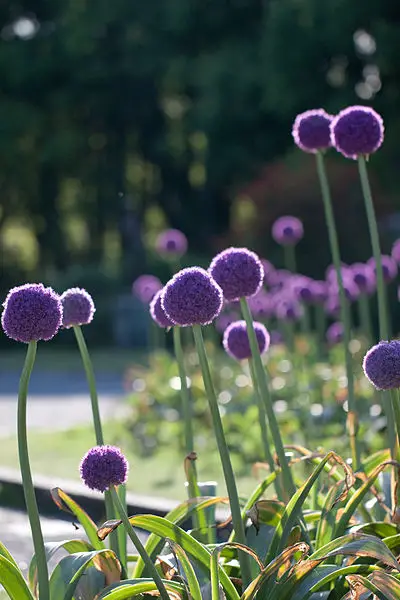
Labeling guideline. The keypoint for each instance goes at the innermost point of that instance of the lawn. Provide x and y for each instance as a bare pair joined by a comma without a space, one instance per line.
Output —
58,454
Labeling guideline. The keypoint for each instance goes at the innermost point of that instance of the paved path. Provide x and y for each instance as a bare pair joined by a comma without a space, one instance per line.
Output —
59,400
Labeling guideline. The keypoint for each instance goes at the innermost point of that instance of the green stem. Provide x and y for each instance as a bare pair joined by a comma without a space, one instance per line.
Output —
365,317
29,491
334,244
185,397
229,476
263,387
264,431
290,258
88,366
138,545
320,323
376,249
395,401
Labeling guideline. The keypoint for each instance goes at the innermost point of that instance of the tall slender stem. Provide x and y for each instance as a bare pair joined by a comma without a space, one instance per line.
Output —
365,317
290,258
352,416
138,544
376,248
98,429
29,491
381,290
263,387
264,431
186,405
224,454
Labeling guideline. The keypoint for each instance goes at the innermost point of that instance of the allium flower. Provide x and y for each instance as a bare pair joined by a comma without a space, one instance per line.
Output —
276,280
357,131
302,289
236,341
319,291
31,313
334,333
268,268
192,297
224,320
288,309
287,231
389,267
238,271
261,305
78,307
102,467
351,290
311,130
330,272
276,337
332,306
172,243
145,287
396,251
157,312
364,277
382,365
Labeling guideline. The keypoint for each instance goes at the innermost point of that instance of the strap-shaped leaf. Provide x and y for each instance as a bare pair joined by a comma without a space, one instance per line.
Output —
12,580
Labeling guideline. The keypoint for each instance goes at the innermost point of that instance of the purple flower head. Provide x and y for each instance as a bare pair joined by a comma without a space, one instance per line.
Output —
330,272
311,130
278,279
351,290
268,268
78,307
224,320
288,309
389,267
236,341
357,131
302,289
276,337
192,297
396,251
31,313
319,291
157,312
287,231
172,243
261,305
334,333
238,271
102,467
364,277
145,287
382,365
332,306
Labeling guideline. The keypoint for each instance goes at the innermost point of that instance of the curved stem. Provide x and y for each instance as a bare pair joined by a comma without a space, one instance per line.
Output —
116,545
224,454
344,314
290,258
29,491
138,545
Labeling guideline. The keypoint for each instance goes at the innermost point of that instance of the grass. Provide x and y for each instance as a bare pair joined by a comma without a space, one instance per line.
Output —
58,454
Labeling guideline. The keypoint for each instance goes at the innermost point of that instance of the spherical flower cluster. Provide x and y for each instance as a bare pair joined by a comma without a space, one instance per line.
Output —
364,277
78,307
238,271
145,287
236,341
287,231
302,289
334,333
31,313
261,305
396,251
311,130
157,312
382,365
389,267
103,467
332,306
357,131
172,243
319,291
288,309
192,297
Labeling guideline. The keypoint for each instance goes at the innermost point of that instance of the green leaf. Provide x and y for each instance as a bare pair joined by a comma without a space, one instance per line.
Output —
357,498
379,529
130,588
165,529
71,546
268,512
327,523
295,504
177,516
12,580
104,567
384,586
192,582
67,504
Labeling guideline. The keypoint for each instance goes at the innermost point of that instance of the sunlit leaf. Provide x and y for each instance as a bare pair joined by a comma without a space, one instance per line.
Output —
131,588
67,504
192,581
13,581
